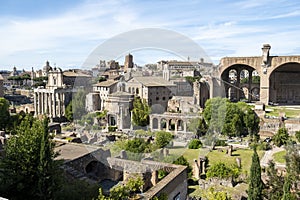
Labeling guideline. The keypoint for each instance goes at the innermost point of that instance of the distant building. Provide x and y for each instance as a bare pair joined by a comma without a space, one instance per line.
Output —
103,89
1,86
128,62
119,105
155,90
53,99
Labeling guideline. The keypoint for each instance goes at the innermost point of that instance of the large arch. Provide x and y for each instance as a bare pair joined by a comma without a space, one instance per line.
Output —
235,78
284,84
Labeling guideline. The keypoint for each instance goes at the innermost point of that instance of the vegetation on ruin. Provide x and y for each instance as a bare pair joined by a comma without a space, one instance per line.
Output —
297,135
223,171
212,194
128,190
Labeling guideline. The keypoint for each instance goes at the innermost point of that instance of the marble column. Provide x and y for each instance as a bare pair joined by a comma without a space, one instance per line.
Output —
63,104
47,104
59,104
43,102
50,105
54,104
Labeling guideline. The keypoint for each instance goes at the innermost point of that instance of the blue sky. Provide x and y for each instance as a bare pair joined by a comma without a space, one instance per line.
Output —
65,32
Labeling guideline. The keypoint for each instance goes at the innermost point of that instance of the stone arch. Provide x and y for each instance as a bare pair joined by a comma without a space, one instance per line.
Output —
231,93
155,123
112,120
255,93
180,125
244,76
91,167
232,78
172,124
232,75
255,77
163,123
284,84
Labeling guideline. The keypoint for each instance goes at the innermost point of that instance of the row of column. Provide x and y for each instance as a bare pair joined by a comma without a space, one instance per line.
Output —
167,124
51,104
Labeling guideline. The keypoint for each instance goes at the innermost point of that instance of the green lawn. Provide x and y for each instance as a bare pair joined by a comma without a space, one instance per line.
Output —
245,155
289,111
217,156
279,157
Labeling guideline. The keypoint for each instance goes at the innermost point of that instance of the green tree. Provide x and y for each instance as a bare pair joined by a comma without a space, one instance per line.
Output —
4,113
136,145
215,113
293,167
198,126
222,171
162,138
127,191
69,112
195,144
78,104
252,123
297,135
140,112
281,137
255,185
29,170
211,194
287,195
274,184
183,161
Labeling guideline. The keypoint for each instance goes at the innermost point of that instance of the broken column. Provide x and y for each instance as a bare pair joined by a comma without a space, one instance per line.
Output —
196,169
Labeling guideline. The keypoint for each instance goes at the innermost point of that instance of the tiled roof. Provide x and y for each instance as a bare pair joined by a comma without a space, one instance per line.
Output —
106,83
153,81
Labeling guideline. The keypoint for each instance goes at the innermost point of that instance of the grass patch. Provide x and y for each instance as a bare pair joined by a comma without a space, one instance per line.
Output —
289,111
245,155
279,157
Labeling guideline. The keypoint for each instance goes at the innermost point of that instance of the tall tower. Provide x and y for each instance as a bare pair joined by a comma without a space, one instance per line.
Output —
128,62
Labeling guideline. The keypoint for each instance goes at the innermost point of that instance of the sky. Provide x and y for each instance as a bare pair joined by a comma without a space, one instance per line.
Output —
65,32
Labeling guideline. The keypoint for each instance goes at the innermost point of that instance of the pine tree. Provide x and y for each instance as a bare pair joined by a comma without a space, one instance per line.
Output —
28,170
287,195
256,184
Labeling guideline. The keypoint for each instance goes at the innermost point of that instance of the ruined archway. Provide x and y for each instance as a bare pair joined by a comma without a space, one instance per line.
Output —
284,84
238,82
155,123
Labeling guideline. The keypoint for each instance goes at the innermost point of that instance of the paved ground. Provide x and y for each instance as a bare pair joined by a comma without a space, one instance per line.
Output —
269,156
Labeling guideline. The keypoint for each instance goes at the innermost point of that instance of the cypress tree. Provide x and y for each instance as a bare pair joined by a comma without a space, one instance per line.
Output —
256,185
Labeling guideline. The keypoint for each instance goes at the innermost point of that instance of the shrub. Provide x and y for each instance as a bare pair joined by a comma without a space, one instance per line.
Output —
221,170
221,143
195,144
297,135
162,138
281,137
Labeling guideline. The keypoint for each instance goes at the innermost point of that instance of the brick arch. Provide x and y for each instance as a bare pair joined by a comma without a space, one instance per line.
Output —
284,83
282,64
235,82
